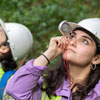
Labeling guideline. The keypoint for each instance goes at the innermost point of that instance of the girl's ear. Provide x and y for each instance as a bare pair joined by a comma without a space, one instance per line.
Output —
96,59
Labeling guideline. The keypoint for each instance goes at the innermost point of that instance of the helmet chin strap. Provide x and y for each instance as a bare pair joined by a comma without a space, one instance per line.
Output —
66,64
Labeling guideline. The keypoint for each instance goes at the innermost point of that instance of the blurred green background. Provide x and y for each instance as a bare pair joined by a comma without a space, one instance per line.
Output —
42,17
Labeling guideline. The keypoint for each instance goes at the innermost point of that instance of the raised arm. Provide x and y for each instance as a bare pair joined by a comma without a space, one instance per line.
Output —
26,81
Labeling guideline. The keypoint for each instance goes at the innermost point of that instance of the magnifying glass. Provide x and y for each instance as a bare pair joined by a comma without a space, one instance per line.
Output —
65,28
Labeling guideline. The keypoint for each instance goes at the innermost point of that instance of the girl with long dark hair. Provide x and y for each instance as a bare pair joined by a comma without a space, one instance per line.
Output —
76,76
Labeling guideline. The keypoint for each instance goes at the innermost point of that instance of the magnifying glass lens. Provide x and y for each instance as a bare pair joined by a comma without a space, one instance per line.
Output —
65,28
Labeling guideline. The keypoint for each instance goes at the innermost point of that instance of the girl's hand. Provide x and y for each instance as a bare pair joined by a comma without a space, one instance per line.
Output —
56,46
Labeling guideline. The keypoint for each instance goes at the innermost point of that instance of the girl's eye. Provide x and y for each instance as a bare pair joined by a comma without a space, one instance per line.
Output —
85,42
71,37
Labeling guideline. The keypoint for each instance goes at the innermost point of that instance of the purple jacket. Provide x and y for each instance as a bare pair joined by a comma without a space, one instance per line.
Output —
27,81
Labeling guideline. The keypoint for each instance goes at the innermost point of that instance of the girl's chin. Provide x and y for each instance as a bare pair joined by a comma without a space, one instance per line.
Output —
65,57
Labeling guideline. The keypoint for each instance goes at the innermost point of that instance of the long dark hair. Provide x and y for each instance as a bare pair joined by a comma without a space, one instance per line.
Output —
55,76
7,61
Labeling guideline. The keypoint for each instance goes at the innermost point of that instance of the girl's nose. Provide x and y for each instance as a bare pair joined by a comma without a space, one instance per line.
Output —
73,42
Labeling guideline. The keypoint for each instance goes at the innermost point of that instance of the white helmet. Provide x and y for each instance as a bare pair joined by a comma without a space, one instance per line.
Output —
92,25
19,39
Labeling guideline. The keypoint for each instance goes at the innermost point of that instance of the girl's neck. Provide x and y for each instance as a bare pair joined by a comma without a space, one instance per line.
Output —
79,74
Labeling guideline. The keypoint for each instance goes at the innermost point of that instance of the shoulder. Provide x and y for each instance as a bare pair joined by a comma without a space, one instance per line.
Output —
97,88
94,93
1,72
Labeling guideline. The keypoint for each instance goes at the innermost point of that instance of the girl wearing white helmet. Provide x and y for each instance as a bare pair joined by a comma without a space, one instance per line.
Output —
12,48
76,75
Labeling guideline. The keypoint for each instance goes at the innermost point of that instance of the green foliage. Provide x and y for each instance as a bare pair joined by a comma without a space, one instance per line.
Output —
43,16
